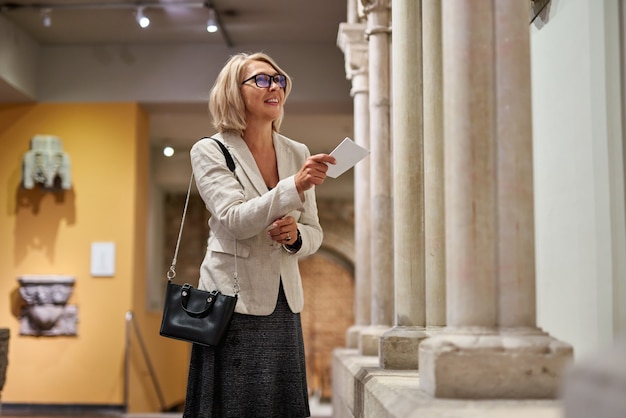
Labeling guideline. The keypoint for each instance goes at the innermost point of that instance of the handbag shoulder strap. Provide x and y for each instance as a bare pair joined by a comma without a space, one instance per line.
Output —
229,158
171,273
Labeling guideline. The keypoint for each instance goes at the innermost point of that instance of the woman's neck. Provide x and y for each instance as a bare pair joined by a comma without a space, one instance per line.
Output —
261,146
258,136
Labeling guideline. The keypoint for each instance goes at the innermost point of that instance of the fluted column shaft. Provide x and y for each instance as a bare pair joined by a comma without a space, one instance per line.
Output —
470,163
489,215
380,143
399,346
352,11
362,201
378,20
516,229
434,208
351,40
408,169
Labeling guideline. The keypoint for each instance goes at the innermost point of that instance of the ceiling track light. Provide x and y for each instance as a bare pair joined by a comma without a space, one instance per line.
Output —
214,23
142,20
211,25
46,18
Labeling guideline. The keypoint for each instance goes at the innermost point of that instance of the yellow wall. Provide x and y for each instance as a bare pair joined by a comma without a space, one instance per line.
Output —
51,233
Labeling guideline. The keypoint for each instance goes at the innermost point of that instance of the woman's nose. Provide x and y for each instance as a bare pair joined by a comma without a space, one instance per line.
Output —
274,84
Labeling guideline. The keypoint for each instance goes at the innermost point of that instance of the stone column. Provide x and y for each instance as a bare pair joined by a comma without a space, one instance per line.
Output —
351,41
491,347
434,209
378,13
352,13
399,346
515,250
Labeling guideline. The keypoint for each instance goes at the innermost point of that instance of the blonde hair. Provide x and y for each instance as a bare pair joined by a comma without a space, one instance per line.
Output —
225,100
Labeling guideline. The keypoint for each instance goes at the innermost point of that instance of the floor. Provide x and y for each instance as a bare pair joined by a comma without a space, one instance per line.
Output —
169,415
318,410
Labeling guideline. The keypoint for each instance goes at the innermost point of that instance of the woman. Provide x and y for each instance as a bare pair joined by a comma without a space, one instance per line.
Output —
263,217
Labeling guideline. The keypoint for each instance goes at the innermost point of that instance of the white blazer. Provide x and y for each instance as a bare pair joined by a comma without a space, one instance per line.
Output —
241,210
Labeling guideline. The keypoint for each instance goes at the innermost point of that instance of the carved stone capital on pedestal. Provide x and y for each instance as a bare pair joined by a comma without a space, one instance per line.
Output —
492,363
46,312
46,164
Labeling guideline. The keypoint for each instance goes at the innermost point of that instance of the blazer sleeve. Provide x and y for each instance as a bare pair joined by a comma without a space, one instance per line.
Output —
224,197
308,224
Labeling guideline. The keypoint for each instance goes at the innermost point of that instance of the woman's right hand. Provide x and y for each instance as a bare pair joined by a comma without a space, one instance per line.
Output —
313,172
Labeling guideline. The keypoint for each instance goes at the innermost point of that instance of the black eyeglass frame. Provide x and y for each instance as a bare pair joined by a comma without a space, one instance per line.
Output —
271,79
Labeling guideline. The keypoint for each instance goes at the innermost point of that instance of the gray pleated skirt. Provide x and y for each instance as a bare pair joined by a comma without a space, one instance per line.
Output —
258,371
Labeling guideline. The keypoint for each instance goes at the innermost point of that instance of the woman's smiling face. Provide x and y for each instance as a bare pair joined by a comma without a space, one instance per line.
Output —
263,104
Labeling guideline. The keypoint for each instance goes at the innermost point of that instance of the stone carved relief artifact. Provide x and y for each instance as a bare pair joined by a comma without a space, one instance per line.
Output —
46,164
46,312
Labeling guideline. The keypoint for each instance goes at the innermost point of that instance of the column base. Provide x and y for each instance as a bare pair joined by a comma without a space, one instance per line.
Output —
432,330
353,335
399,348
369,340
493,363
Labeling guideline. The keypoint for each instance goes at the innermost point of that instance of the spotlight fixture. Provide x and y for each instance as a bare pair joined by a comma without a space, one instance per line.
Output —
168,151
211,25
142,20
46,19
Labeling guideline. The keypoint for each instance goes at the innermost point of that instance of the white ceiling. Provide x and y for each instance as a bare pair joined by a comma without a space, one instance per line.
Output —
85,38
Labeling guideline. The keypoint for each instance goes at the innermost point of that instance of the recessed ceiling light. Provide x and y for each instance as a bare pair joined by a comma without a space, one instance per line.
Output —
168,151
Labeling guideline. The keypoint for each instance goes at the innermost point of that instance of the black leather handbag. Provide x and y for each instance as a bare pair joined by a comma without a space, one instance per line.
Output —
195,315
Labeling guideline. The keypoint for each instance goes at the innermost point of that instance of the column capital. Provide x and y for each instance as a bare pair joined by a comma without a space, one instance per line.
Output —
360,82
350,33
351,40
378,13
370,6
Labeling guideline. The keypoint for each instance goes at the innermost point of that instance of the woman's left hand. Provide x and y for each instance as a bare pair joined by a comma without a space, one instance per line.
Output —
284,230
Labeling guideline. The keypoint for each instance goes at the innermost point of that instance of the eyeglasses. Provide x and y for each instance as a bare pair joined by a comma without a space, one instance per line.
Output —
264,81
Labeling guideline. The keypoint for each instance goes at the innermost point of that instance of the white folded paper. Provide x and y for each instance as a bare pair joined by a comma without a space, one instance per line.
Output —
347,154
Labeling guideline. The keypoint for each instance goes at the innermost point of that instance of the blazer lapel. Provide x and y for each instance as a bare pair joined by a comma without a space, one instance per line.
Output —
284,158
246,161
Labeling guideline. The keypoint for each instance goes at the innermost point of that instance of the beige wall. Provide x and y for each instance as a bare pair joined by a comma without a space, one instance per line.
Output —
47,233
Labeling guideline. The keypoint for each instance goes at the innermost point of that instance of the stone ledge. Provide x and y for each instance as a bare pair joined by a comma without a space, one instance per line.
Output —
346,365
397,394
